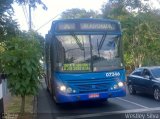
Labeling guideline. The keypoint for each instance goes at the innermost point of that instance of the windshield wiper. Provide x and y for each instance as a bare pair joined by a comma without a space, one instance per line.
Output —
78,42
102,41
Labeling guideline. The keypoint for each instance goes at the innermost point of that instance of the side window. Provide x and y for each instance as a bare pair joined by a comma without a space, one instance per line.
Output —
137,73
145,73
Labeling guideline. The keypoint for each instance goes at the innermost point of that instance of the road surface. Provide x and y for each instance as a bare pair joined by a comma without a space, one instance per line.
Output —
139,106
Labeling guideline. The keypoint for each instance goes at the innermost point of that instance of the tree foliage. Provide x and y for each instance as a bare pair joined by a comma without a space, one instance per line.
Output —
5,6
8,26
79,13
21,63
140,25
20,52
33,3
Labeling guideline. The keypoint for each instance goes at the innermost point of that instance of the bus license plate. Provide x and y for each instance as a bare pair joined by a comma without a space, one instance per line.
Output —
94,95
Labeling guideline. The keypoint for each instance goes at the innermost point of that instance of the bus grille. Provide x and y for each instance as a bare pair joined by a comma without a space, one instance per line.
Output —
90,85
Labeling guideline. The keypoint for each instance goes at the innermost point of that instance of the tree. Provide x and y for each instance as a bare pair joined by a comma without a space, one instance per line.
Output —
8,26
33,3
21,62
140,26
79,13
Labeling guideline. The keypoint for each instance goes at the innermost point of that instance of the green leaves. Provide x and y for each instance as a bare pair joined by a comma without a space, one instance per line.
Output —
33,3
141,26
21,61
79,13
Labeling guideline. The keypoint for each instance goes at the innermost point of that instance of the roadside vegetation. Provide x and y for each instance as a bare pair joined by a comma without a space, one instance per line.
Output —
21,62
20,55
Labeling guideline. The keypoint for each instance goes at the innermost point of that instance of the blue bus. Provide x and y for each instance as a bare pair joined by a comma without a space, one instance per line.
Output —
84,60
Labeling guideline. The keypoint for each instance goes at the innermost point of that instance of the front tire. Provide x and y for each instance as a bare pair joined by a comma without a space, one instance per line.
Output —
156,94
131,89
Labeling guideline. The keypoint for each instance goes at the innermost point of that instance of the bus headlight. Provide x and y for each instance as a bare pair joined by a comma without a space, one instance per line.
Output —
63,88
115,86
120,84
69,90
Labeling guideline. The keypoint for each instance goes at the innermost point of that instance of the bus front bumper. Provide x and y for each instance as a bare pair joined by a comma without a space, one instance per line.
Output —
65,98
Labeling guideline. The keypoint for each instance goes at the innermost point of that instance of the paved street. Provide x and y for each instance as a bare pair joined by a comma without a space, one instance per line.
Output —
115,108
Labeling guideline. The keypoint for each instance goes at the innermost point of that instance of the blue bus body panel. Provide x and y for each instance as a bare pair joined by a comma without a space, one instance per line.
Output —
83,76
65,98
98,84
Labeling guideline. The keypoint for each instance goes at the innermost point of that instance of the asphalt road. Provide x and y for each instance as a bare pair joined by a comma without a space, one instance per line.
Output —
139,106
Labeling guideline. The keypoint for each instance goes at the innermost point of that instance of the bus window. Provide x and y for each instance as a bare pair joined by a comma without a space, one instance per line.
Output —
75,51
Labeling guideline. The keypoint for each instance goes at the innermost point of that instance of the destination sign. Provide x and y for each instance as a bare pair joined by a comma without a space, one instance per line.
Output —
97,26
76,67
87,26
66,26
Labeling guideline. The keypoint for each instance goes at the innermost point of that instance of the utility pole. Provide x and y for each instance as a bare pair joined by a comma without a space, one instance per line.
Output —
30,17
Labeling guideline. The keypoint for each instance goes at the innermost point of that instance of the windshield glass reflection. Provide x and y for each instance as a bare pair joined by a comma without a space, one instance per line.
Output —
88,52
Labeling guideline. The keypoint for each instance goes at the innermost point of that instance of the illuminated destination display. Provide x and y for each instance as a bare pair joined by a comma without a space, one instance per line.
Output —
76,67
87,26
97,26
66,26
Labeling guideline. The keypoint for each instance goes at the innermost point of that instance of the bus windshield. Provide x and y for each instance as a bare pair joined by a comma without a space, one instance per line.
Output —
88,52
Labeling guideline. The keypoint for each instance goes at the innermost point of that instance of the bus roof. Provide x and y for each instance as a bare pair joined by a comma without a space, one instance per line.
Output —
85,26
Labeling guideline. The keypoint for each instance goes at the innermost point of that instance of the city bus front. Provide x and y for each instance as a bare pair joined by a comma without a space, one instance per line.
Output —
88,67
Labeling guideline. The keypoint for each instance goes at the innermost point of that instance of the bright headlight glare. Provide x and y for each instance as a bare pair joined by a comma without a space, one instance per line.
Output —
63,88
120,84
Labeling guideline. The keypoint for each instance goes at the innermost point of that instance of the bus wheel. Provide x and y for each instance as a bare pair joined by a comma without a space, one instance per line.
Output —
131,89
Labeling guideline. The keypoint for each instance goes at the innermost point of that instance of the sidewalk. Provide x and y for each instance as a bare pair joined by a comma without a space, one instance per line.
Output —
6,99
